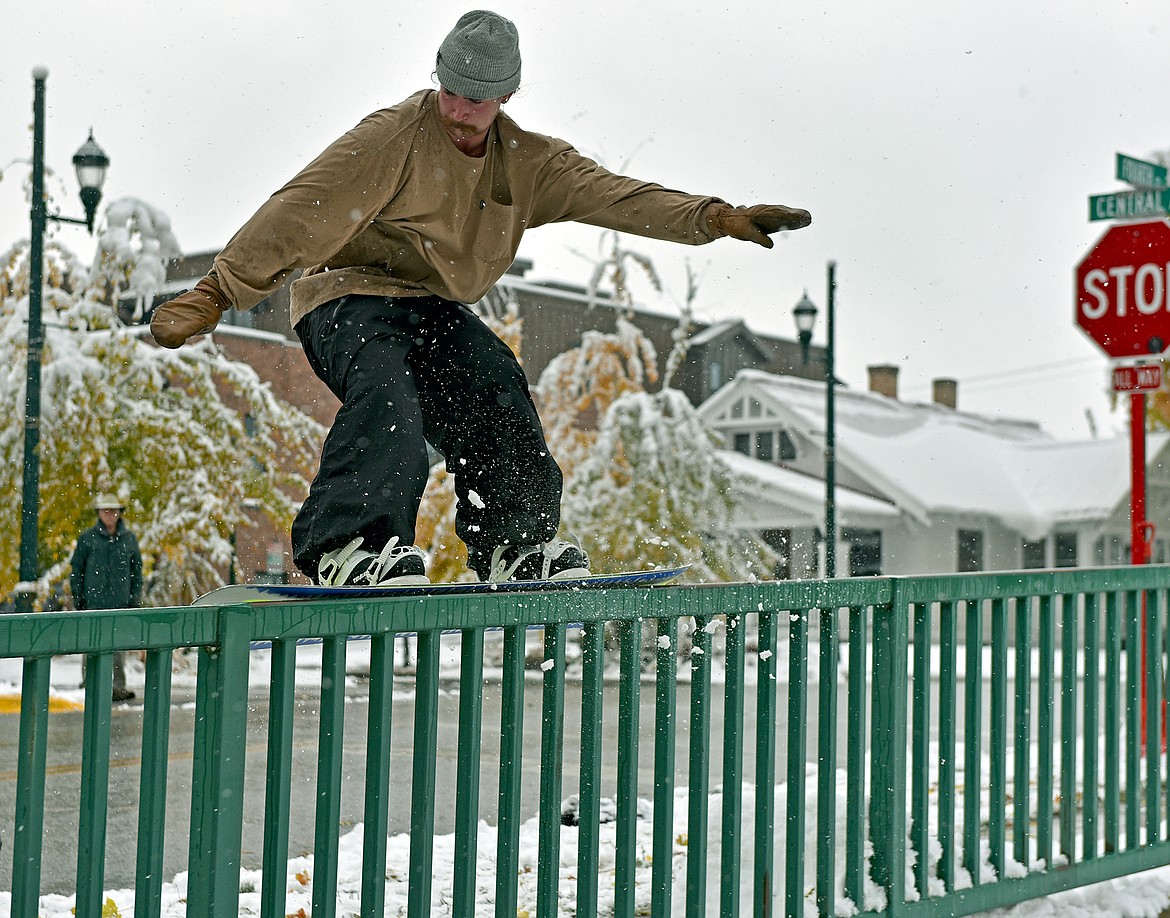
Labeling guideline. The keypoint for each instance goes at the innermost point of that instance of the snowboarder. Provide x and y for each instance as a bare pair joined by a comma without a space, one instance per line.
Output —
398,225
106,573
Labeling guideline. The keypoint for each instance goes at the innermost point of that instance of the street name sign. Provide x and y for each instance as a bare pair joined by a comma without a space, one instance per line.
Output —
1123,290
1128,205
1139,173
1142,378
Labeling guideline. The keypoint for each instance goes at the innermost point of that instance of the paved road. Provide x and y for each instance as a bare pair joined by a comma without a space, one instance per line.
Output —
64,769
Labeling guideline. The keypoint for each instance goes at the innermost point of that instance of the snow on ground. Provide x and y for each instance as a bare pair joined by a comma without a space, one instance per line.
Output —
1145,895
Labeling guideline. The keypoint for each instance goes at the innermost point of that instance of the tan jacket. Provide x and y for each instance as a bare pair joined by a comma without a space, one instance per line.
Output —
392,208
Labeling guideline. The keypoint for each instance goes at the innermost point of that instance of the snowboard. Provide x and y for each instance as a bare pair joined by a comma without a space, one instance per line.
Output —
291,592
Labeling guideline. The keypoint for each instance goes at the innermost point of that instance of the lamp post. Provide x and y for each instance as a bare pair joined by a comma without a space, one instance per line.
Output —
805,315
91,163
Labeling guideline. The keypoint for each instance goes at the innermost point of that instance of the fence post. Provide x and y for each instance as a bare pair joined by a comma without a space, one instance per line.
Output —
794,816
95,786
887,805
32,754
217,779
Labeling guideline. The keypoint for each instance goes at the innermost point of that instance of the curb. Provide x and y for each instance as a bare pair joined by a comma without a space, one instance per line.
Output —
10,704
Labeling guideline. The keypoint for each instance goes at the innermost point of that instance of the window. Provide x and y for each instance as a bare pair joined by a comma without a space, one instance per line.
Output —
780,541
1035,553
865,551
274,571
970,555
1065,549
715,375
241,318
764,447
1110,550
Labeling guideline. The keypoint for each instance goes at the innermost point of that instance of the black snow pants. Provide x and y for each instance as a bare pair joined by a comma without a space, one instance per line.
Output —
412,370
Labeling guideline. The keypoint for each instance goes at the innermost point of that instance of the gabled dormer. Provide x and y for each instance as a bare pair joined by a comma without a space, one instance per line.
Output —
717,353
756,430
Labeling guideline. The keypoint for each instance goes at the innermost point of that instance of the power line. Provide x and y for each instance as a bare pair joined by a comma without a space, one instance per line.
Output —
1075,361
1030,375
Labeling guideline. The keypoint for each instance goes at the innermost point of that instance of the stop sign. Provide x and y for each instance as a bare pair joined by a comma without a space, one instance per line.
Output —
1123,290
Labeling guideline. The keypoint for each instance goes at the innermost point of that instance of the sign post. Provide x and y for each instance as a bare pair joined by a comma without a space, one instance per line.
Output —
1137,381
1123,303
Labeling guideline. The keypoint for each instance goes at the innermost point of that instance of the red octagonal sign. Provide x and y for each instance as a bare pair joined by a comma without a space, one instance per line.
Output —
1123,290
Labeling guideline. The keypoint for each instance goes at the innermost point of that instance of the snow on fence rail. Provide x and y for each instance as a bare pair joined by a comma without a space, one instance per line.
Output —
894,746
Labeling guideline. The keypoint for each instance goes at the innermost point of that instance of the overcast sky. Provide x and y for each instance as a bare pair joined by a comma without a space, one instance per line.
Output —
946,150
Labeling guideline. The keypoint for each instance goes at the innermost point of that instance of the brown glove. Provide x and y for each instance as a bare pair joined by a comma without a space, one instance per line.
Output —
195,312
756,223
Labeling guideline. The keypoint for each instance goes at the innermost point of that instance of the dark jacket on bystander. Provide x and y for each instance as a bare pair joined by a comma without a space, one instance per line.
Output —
107,569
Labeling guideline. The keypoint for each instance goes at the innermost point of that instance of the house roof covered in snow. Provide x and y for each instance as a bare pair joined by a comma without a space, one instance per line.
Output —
730,328
786,497
930,459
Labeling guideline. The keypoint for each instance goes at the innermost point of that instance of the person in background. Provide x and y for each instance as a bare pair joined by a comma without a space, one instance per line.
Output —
107,573
397,226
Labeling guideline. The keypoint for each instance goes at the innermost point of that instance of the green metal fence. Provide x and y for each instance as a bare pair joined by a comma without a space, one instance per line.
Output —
897,746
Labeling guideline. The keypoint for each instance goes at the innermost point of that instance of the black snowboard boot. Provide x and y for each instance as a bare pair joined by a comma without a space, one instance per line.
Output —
395,565
555,560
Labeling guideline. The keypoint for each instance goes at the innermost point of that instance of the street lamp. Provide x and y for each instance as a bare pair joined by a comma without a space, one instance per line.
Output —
91,163
805,315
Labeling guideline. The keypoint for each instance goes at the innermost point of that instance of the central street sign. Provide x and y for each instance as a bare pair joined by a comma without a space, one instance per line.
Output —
1125,205
1140,173
1144,378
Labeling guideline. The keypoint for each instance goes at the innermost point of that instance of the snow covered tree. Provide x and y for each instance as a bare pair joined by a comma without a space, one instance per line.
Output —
578,387
653,492
187,436
613,268
644,483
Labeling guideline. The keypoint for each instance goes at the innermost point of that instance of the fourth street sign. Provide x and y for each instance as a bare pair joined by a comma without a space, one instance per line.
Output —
1128,205
1139,173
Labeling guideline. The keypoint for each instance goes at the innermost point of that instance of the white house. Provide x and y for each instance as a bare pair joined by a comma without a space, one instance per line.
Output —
925,488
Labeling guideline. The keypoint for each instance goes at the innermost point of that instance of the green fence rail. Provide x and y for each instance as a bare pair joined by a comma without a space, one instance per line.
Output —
894,746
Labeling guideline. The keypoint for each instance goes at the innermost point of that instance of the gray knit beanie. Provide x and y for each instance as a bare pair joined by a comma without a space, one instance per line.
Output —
480,58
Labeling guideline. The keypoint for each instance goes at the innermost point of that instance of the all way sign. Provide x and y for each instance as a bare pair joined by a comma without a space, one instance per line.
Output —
1142,378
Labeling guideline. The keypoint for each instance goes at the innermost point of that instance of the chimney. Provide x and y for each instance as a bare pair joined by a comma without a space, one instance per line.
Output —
883,379
945,392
